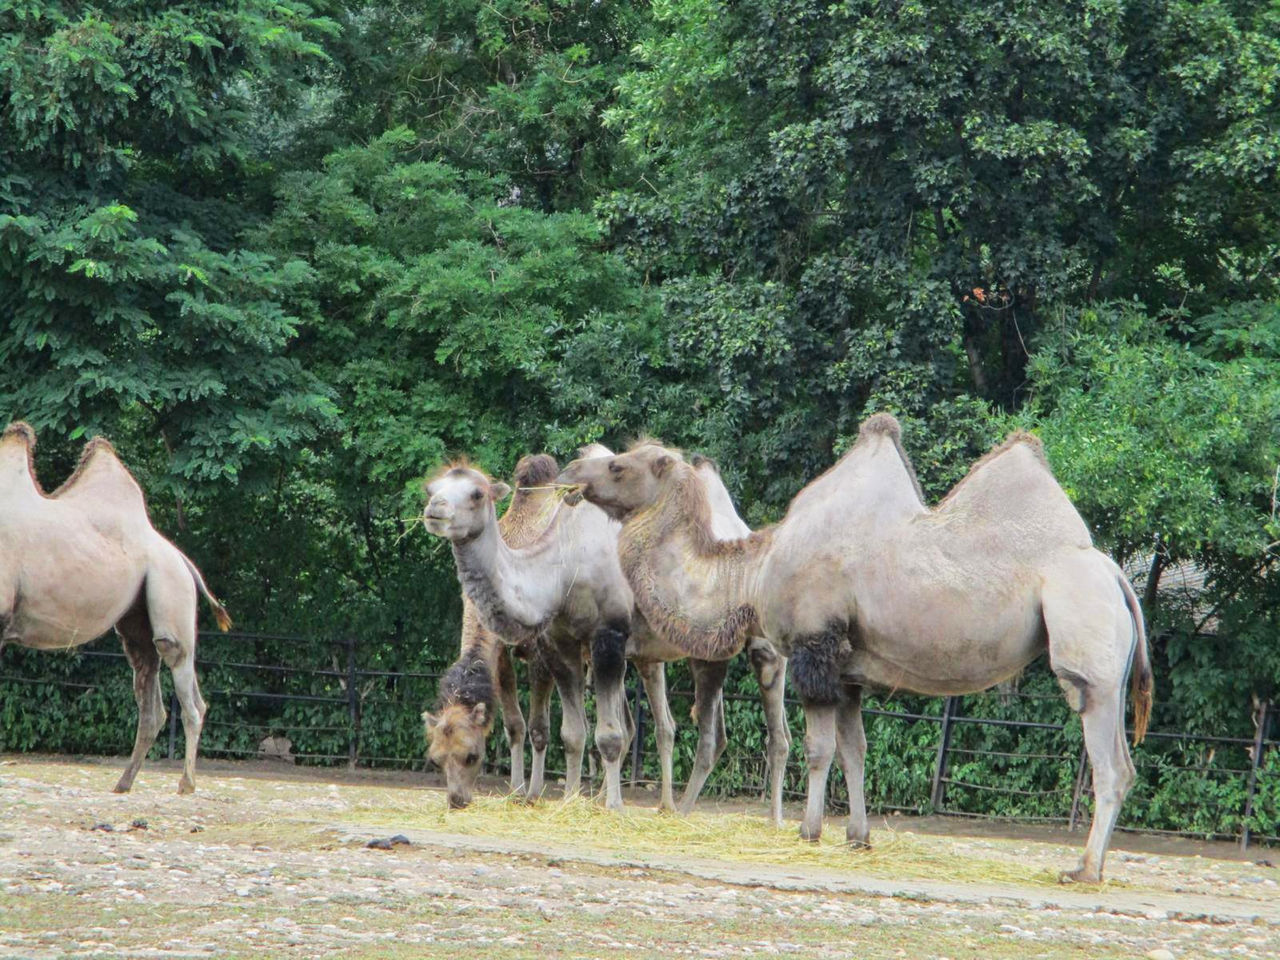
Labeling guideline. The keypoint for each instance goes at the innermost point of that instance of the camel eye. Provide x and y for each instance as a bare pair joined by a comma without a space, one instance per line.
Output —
473,759
476,495
616,469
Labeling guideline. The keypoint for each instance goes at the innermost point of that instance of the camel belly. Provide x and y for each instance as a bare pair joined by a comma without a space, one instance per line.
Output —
936,646
69,593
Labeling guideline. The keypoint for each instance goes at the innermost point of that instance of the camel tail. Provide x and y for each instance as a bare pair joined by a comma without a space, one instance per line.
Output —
219,611
1140,676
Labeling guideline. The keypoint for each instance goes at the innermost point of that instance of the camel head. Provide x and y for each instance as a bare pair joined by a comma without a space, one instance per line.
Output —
456,736
623,484
460,501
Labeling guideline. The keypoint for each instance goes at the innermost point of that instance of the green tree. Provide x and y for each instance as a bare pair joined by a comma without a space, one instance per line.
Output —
126,178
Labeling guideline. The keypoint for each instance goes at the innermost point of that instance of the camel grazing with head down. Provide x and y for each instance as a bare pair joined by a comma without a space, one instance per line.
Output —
564,593
86,558
862,585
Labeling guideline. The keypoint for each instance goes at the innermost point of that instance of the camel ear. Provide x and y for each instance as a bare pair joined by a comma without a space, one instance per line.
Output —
430,721
478,714
661,465
498,490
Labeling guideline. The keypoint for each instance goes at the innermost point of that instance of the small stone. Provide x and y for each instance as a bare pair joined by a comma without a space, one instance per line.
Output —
138,824
104,827
1160,953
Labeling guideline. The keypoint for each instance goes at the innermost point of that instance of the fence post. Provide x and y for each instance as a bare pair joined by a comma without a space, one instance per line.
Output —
1259,743
1078,792
353,705
944,743
174,706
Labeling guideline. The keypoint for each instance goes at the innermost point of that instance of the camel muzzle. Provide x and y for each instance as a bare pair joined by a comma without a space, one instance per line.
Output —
439,510
569,477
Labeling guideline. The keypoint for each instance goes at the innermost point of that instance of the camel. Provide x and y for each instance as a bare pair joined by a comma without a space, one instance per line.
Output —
862,585
458,729
86,558
568,589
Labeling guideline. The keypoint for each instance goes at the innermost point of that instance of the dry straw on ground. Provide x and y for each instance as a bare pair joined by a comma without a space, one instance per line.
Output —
727,836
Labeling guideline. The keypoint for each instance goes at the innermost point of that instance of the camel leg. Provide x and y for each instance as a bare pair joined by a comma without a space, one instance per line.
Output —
851,746
512,718
540,685
171,608
1090,643
654,676
819,749
1113,774
135,637
567,672
771,673
609,667
708,708
181,659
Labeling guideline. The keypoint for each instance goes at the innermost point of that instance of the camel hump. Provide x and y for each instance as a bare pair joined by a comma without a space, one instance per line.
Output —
700,460
592,450
1028,439
101,471
20,430
881,423
536,469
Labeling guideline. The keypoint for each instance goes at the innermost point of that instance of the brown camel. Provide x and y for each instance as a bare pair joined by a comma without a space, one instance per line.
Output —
555,592
86,558
862,585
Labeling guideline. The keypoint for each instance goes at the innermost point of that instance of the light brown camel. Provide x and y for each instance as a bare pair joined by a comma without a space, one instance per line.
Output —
86,558
458,729
862,585
558,593
556,589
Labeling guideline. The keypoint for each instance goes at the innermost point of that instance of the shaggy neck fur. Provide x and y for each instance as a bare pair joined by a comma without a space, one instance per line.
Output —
674,536
470,679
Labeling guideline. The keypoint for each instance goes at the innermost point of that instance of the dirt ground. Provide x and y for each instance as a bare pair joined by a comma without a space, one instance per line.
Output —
268,861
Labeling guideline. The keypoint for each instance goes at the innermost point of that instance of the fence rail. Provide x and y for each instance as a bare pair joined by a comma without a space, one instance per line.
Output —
328,701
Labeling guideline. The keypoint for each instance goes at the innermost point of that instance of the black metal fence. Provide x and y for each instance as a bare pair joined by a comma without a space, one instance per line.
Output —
1015,756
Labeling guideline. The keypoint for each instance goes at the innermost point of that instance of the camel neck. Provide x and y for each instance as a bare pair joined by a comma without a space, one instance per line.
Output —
514,594
699,593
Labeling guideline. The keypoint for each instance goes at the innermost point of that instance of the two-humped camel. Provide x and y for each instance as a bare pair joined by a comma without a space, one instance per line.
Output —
567,588
458,729
862,585
86,558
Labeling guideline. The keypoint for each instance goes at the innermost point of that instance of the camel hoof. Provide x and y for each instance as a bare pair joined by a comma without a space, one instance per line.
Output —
853,843
811,836
1079,875
185,786
122,787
